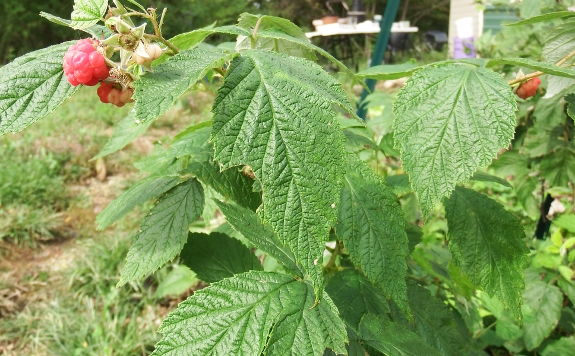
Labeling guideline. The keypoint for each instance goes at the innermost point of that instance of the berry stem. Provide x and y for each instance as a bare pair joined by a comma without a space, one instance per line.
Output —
524,78
164,41
538,73
566,58
162,19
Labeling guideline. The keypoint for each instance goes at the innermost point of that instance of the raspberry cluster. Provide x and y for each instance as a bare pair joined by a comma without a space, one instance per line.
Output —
108,93
84,65
528,88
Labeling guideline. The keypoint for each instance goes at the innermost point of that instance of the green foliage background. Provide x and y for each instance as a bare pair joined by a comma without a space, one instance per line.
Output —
22,31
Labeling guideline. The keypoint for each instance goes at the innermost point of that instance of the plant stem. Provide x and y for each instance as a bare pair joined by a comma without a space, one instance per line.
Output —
164,41
522,79
478,335
565,59
254,38
162,18
336,252
538,73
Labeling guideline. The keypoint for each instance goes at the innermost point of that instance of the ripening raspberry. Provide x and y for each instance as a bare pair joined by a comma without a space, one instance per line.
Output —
528,88
109,94
84,65
153,50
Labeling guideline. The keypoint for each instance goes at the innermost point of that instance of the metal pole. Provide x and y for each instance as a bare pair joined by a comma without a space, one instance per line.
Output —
379,51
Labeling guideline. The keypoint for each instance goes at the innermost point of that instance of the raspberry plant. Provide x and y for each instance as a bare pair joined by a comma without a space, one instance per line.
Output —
279,160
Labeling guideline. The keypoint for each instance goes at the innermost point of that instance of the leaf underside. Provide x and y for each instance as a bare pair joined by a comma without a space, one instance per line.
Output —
139,193
247,223
217,256
125,132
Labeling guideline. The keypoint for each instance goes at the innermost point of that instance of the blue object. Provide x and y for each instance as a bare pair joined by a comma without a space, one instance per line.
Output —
379,51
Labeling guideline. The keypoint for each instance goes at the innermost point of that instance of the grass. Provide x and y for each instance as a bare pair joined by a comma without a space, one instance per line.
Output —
84,313
58,275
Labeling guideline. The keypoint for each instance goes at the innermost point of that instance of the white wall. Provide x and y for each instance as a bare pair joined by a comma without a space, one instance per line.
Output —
458,10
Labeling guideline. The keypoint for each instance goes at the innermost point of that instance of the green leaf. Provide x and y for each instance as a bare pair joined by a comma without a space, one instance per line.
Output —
309,330
274,113
88,12
137,4
510,163
450,120
355,297
179,280
434,322
247,223
232,183
249,21
487,243
486,177
414,234
561,41
273,23
217,256
372,227
96,30
543,18
570,99
164,231
139,193
529,8
32,86
387,145
190,39
567,286
235,316
507,329
156,92
192,142
389,71
399,183
542,310
557,85
559,167
126,131
561,347
157,162
539,142
391,338
565,221
356,140
535,65
307,44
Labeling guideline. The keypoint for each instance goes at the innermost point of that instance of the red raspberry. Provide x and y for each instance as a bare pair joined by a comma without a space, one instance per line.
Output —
84,65
104,91
110,94
528,88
